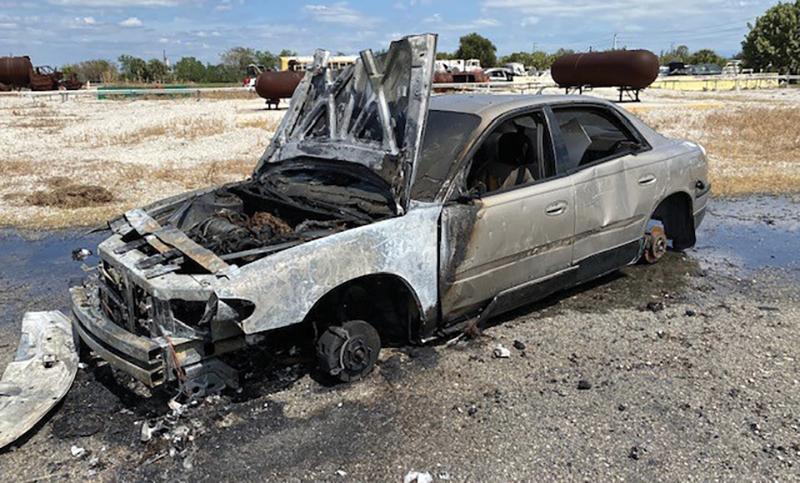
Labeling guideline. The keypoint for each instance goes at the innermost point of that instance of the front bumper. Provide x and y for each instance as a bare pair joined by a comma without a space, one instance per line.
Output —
151,361
138,356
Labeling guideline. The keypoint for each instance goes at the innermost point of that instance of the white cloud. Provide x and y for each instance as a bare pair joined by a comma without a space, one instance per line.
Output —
531,20
340,13
89,21
115,3
608,9
224,6
440,24
131,22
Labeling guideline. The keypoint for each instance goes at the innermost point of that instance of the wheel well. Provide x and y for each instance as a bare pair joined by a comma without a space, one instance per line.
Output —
385,301
675,213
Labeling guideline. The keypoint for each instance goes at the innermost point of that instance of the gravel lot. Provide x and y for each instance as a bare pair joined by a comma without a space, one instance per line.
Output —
82,161
683,371
139,151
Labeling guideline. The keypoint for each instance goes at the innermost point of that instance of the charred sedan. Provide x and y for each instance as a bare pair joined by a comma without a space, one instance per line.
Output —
378,215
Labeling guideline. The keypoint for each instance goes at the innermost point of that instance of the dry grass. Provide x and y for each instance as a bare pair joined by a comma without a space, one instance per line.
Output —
205,174
752,150
186,129
71,196
270,125
112,188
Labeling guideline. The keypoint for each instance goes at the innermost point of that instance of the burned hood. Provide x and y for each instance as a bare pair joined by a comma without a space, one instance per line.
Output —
371,113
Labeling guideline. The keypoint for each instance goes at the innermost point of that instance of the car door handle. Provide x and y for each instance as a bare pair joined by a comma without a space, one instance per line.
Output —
647,180
557,208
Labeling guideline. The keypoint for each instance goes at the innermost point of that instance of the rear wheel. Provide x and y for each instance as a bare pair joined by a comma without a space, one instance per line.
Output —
655,244
349,352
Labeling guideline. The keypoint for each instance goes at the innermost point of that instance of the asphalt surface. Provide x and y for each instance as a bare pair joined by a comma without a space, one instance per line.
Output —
682,371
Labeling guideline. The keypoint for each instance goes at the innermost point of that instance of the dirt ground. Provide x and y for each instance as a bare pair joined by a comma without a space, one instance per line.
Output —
683,371
83,161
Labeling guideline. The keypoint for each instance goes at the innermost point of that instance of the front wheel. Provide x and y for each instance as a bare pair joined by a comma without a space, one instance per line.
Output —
349,352
655,244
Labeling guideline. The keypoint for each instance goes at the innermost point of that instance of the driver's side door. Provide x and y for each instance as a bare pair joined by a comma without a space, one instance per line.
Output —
507,247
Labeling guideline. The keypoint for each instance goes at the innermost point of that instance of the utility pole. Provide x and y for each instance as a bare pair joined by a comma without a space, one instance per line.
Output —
616,36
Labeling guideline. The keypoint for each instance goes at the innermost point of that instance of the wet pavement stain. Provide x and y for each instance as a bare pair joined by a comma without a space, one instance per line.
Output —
266,430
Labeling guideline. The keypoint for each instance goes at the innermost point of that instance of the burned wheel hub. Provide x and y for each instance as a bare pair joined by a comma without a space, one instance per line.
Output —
349,352
655,244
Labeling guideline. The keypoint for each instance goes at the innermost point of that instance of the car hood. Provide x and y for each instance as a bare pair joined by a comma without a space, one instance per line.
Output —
371,113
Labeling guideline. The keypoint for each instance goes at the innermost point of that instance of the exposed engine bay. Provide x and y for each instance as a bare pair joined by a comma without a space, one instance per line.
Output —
284,207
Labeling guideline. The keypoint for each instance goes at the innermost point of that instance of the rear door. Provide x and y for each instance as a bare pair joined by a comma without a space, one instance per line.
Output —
518,232
599,156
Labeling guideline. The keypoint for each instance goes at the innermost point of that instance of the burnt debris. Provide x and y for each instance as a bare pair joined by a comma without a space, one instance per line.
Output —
279,209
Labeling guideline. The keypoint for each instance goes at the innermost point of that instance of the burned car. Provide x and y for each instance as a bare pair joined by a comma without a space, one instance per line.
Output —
379,215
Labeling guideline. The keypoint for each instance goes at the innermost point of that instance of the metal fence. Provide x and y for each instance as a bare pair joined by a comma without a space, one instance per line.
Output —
697,83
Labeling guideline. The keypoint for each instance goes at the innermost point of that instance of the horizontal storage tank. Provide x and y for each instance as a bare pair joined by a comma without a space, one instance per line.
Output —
15,71
274,86
635,69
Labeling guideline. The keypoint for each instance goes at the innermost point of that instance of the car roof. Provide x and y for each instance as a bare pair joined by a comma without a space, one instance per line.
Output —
493,105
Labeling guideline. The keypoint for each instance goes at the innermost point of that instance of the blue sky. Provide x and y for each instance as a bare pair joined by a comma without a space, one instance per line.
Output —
62,31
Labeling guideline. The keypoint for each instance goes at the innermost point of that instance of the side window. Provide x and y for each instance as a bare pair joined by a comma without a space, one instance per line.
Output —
517,152
591,134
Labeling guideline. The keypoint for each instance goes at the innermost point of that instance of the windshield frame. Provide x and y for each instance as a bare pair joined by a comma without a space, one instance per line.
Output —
431,176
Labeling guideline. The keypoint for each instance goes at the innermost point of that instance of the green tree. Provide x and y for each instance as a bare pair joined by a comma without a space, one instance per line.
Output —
681,54
97,70
707,56
774,40
222,73
156,71
133,68
561,52
190,69
475,46
269,60
238,58
537,59
444,56
287,53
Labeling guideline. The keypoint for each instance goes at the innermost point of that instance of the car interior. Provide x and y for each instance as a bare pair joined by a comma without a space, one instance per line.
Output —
591,136
515,153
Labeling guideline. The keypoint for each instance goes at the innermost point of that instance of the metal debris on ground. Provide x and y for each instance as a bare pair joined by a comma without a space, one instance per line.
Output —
418,477
40,375
501,352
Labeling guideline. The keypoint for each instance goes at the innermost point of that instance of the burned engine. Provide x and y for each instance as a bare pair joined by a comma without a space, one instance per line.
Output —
279,210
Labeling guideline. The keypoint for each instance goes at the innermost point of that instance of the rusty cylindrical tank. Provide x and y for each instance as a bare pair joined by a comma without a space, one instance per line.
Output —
15,71
636,69
274,86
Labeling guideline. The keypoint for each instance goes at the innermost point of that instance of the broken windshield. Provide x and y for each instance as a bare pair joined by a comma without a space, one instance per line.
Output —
446,135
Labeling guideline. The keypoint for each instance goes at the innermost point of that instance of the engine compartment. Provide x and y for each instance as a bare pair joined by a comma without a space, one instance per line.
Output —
280,209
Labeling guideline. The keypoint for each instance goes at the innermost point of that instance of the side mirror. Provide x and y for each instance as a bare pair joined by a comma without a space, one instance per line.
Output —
467,198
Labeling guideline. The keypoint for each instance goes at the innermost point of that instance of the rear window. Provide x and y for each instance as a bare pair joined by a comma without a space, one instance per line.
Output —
590,134
446,134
